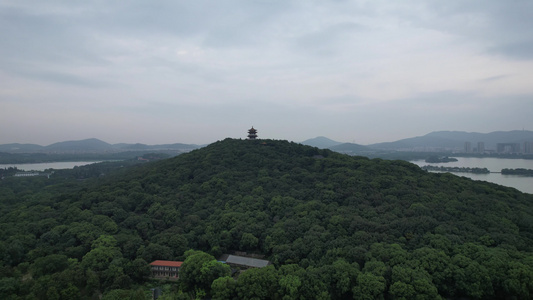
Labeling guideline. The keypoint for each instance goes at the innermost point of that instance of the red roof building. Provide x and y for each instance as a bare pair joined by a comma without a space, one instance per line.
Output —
166,268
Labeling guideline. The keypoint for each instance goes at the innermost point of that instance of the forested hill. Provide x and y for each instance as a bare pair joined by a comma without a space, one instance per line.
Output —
334,226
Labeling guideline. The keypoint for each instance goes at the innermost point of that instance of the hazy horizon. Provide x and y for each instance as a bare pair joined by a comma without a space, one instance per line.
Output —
195,72
242,137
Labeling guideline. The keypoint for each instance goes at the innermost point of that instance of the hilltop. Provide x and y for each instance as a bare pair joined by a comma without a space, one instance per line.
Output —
346,148
334,226
321,142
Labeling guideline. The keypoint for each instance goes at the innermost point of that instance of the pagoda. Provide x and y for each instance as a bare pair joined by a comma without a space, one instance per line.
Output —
252,133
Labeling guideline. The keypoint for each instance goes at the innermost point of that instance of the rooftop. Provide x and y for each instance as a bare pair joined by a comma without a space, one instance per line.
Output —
166,263
245,261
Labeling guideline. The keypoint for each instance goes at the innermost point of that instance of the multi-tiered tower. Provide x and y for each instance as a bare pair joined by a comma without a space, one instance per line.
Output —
252,133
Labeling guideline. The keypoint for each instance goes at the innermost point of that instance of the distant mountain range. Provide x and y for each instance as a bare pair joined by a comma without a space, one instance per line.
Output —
455,140
348,148
434,141
91,145
321,142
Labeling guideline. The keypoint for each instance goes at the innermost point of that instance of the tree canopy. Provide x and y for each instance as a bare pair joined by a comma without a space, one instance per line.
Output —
333,226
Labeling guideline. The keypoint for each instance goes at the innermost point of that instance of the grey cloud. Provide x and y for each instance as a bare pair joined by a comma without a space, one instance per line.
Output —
342,102
495,78
49,74
47,48
69,79
522,50
291,68
502,27
328,40
227,23
443,98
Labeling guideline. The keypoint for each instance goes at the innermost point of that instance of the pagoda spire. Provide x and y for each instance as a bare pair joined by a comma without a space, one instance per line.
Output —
252,133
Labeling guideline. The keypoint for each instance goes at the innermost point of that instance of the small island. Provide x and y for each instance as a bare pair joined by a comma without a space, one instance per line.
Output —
518,171
440,159
456,169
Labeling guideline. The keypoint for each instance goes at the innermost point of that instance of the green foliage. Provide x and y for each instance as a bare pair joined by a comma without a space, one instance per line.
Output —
369,286
119,294
224,288
49,264
260,283
200,269
318,216
102,254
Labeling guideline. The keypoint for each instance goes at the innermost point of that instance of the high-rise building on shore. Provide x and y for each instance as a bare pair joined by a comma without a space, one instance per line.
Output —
508,147
481,147
527,147
468,147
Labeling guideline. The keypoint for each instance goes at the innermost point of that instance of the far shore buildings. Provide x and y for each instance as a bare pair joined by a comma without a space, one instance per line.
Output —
32,174
166,269
528,149
468,147
508,147
481,147
525,147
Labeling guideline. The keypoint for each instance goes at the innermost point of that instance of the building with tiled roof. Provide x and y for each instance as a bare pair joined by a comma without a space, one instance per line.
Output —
165,268
241,261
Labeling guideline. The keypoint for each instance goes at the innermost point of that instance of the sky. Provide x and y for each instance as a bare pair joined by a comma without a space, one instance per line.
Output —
159,72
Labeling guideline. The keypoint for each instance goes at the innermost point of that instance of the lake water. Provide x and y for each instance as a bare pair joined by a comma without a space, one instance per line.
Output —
521,183
49,165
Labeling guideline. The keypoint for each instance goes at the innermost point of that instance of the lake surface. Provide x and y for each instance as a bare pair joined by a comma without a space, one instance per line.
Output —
521,183
49,165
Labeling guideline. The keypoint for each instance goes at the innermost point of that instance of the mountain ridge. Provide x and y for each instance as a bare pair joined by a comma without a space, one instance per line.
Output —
321,142
91,145
436,140
455,140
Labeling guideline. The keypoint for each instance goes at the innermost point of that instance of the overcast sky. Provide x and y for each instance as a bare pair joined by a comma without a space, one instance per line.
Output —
158,72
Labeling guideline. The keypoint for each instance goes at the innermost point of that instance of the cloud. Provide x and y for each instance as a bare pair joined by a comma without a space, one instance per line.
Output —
291,68
498,27
522,50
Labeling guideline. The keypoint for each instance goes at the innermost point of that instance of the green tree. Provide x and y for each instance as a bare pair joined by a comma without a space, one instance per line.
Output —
289,286
200,269
70,292
49,264
224,288
260,283
519,280
52,293
471,279
8,287
369,286
103,251
409,283
138,270
248,241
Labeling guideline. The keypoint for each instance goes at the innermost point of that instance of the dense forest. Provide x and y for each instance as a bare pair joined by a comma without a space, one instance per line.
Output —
333,226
